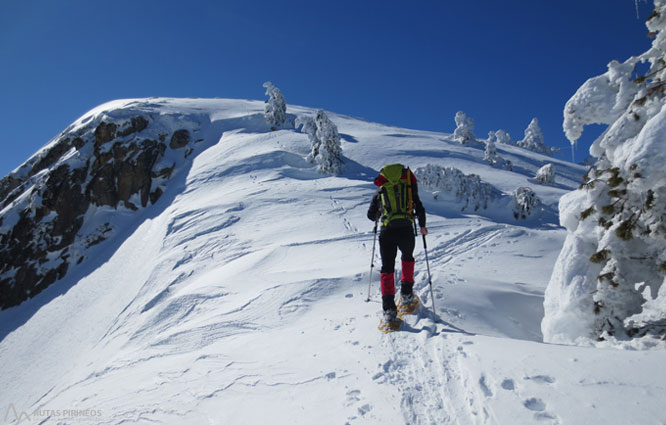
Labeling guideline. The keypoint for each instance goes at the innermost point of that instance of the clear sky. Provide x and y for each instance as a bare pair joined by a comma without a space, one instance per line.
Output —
408,63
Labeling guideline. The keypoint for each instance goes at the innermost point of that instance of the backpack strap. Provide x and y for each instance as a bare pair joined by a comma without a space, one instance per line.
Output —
410,199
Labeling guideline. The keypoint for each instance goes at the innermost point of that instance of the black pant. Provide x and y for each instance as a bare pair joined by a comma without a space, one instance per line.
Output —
392,238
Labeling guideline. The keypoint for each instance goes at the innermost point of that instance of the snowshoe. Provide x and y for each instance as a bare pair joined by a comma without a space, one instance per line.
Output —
388,327
390,322
408,305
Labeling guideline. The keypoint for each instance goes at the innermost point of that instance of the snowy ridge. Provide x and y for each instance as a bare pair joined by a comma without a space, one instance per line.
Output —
238,298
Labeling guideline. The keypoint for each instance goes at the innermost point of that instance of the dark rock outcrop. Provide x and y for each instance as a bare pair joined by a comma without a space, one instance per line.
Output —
180,139
49,196
105,132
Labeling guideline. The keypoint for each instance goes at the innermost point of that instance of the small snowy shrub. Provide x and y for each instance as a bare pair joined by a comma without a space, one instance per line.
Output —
534,140
546,174
464,132
526,202
451,183
275,110
325,147
608,283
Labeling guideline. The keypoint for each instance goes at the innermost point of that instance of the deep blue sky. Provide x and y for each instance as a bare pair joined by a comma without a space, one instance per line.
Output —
406,63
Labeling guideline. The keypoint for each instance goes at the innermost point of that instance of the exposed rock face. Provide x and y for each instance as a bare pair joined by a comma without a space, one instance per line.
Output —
179,139
46,204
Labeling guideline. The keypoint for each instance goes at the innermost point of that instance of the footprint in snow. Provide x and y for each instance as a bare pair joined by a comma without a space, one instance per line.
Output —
545,416
484,386
535,404
365,409
353,396
539,407
541,379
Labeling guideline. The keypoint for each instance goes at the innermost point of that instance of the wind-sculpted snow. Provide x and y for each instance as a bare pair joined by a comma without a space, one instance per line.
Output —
238,297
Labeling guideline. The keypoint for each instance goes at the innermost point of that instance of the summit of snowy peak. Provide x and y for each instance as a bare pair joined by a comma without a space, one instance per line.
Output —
115,159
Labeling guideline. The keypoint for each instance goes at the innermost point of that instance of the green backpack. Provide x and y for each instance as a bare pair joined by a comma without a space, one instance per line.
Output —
396,193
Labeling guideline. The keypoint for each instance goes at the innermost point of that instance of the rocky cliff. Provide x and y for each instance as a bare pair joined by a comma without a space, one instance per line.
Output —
53,207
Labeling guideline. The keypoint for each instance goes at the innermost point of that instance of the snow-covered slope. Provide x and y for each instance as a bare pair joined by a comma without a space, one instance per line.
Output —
238,297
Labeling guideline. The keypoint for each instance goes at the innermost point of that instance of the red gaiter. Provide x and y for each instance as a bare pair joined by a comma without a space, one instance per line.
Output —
407,271
388,283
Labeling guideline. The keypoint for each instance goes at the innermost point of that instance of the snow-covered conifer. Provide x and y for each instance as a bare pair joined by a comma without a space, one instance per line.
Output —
504,137
546,174
325,148
275,110
329,157
525,202
609,282
534,139
464,132
490,155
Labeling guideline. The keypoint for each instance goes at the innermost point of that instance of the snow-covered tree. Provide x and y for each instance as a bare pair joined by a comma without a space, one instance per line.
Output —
325,147
452,184
329,159
275,110
526,202
609,282
546,174
534,139
504,137
464,132
490,155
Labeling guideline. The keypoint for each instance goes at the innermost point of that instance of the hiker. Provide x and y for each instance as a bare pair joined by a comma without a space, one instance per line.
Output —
394,204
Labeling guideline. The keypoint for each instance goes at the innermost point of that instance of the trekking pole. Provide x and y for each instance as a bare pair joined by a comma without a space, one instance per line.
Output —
372,260
432,296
